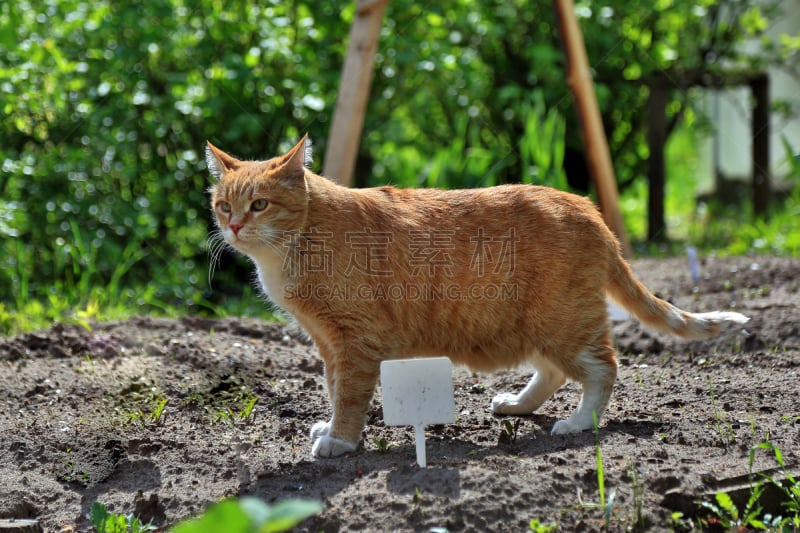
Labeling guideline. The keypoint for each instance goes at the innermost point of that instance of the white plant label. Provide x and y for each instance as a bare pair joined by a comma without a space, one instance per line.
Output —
418,392
694,264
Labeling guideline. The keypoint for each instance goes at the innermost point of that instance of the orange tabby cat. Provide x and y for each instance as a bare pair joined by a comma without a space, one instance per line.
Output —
490,277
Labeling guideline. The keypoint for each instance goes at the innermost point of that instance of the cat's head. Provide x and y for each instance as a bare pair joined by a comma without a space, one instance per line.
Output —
256,202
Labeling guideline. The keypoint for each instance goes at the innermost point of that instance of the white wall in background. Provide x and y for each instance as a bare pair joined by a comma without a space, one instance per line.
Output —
730,148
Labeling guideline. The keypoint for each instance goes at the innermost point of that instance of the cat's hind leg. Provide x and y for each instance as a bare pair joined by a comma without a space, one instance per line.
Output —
596,369
547,380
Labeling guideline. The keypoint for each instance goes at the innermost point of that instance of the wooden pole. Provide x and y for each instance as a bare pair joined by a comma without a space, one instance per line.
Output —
579,78
351,102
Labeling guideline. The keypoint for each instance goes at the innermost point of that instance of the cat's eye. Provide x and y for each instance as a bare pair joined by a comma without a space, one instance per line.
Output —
259,205
225,207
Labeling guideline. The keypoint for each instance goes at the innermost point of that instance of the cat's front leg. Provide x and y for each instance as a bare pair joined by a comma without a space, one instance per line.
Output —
327,446
320,429
350,390
324,445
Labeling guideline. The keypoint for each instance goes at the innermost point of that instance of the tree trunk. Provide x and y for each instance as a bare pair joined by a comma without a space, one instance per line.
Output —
760,131
656,139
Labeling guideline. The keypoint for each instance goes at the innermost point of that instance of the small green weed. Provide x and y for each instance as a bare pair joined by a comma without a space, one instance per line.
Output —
225,415
537,526
601,480
155,414
509,431
248,410
637,488
229,406
104,521
158,411
416,499
680,522
724,427
383,445
790,419
136,417
606,503
228,414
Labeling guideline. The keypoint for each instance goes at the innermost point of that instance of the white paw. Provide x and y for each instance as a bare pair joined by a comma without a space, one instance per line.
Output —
327,446
563,427
320,429
507,403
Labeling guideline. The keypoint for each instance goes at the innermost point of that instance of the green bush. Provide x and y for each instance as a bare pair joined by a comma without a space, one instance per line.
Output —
106,107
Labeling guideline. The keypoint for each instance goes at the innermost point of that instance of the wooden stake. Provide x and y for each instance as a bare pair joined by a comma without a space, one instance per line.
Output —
19,525
579,78
351,102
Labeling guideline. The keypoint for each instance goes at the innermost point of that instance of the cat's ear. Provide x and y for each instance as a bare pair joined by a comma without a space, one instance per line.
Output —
219,162
298,157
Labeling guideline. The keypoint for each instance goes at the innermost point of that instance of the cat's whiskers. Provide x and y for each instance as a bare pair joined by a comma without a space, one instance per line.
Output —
272,239
216,244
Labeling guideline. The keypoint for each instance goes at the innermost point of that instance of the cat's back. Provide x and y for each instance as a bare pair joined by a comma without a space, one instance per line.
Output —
513,205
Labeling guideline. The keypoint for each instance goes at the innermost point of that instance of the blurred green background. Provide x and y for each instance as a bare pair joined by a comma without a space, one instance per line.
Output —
106,106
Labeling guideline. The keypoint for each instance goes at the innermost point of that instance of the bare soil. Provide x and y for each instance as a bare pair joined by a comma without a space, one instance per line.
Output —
79,422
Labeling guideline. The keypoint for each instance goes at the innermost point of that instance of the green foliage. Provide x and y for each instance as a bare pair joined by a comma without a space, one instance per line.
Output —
248,515
728,516
724,513
792,158
714,228
106,106
488,61
245,515
725,229
790,487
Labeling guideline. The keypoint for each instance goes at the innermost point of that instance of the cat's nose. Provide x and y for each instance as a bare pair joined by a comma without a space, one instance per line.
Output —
235,228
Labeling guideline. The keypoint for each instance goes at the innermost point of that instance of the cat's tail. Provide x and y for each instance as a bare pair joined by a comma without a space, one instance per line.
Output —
626,290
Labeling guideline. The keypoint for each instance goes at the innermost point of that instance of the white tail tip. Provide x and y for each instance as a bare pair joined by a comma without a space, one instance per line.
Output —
722,317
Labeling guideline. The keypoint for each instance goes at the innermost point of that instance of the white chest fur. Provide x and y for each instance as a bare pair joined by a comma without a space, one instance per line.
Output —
271,276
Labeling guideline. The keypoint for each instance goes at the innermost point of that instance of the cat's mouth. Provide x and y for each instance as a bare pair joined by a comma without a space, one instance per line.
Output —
243,243
235,239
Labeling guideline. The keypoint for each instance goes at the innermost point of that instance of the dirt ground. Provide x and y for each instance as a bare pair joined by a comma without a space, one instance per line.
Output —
80,422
